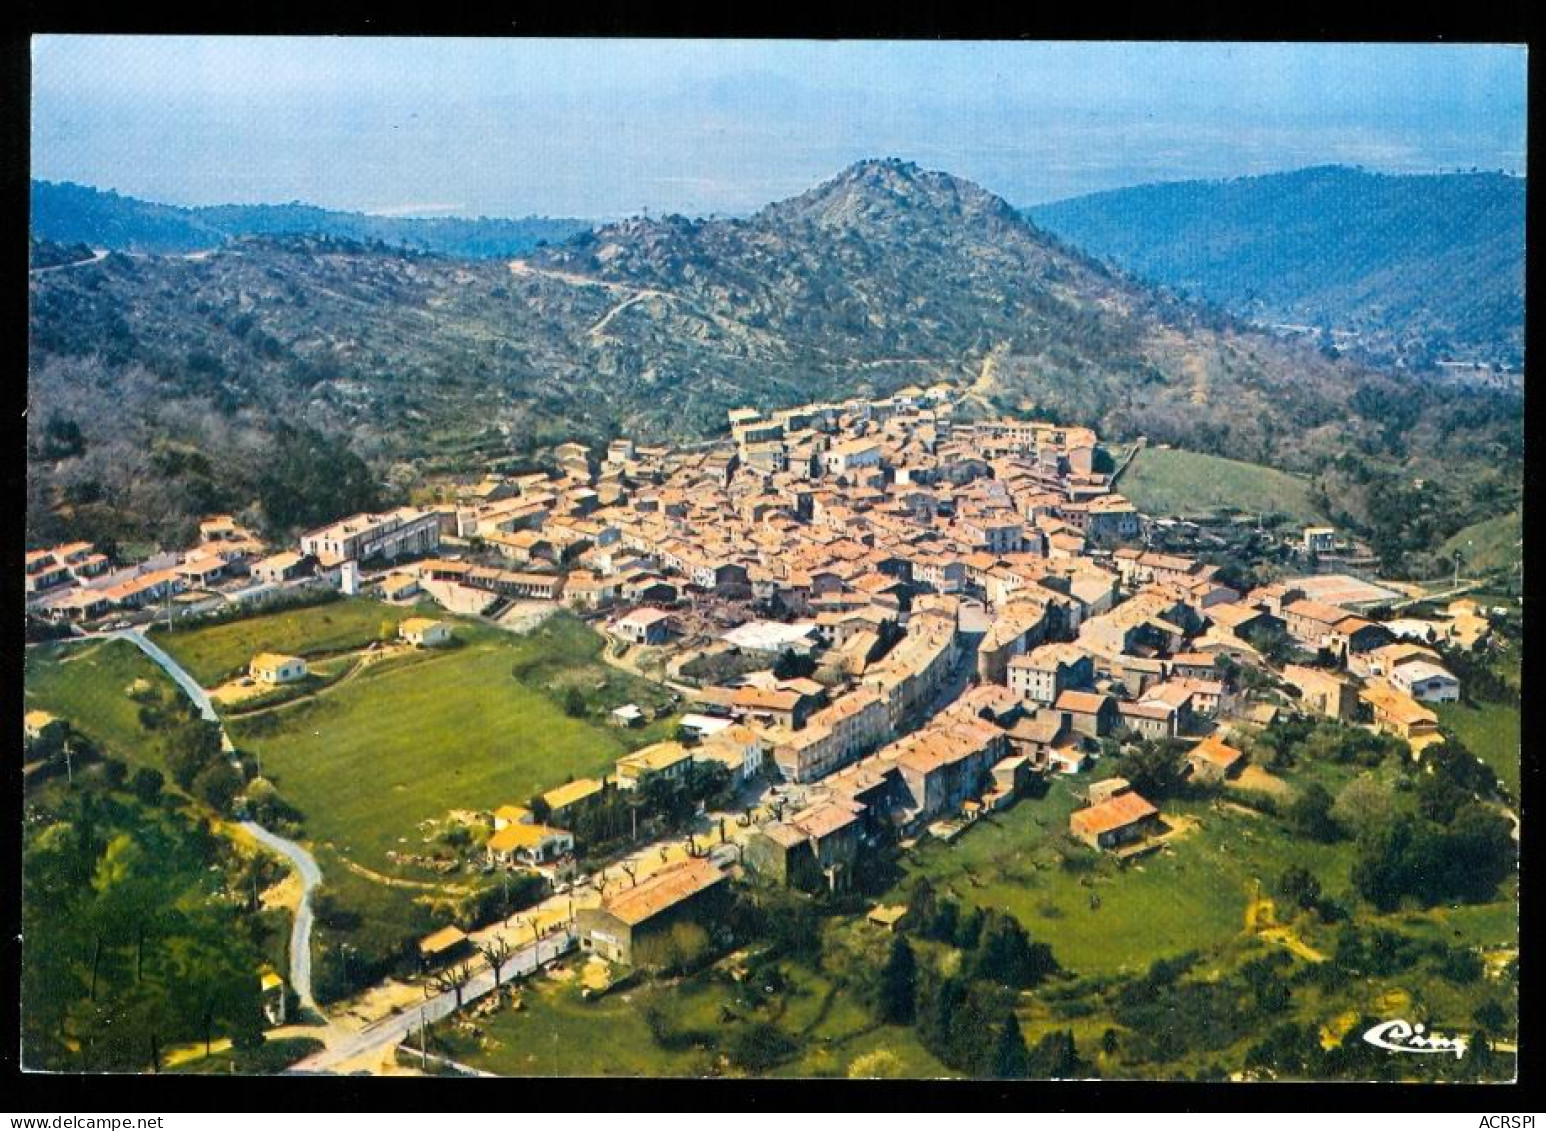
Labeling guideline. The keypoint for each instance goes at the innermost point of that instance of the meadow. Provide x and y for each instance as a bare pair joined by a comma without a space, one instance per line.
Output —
215,653
87,685
473,726
558,1033
1491,731
1101,917
1489,546
1170,481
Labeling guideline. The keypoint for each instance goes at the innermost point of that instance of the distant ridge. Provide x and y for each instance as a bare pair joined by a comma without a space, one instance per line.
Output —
1410,269
68,213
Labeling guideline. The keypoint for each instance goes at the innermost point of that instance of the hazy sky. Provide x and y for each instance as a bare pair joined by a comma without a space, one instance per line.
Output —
607,128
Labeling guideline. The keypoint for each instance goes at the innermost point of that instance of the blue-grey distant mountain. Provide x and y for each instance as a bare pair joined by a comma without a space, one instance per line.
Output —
1415,269
77,214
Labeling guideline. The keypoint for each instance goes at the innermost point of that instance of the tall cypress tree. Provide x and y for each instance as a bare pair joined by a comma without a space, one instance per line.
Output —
937,1016
898,985
1009,1058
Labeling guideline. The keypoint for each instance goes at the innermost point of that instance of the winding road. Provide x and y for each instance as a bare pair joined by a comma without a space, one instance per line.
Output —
305,865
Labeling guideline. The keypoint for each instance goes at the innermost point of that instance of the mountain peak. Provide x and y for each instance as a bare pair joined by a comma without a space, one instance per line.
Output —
882,188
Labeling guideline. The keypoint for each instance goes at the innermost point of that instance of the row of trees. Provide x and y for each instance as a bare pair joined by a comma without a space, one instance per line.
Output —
617,817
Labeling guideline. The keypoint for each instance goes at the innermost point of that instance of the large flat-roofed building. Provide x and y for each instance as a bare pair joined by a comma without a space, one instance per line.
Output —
1344,590
364,537
691,889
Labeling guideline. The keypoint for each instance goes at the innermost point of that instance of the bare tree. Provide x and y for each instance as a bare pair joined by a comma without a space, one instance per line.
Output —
453,979
496,952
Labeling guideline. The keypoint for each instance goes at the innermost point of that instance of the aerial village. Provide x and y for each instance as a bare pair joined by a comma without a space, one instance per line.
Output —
882,622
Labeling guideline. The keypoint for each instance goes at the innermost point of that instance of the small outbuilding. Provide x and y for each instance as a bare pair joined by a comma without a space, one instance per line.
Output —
276,668
422,632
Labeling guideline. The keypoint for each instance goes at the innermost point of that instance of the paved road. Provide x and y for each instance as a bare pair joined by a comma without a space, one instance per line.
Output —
300,928
398,1026
190,686
305,865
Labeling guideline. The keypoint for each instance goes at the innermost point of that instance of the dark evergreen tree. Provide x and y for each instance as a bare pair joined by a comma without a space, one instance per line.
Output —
1010,1060
897,998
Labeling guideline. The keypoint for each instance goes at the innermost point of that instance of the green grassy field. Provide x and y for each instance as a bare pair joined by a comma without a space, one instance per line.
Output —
1489,546
87,684
1169,481
215,653
1103,918
1491,731
557,1033
368,760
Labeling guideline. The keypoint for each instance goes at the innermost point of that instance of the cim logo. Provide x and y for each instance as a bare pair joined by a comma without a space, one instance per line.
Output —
1399,1036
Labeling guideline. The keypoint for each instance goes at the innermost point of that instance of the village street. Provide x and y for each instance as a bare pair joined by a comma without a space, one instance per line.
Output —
361,1031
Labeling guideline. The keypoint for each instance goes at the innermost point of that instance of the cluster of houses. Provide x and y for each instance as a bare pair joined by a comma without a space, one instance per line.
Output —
882,538
77,583
891,544
887,541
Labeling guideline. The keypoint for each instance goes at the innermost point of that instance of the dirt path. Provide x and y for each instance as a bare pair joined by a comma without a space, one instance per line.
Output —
96,257
982,387
521,267
1261,919
398,882
365,658
600,325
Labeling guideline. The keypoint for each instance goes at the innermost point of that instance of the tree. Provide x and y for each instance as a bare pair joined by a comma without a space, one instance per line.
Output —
1310,813
217,785
897,1000
1055,1057
1155,769
1007,957
496,952
146,784
574,703
1009,1060
1363,803
1451,762
1439,797
922,906
309,479
1299,887
937,1009
760,1046
791,665
1491,1017
453,980
62,439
